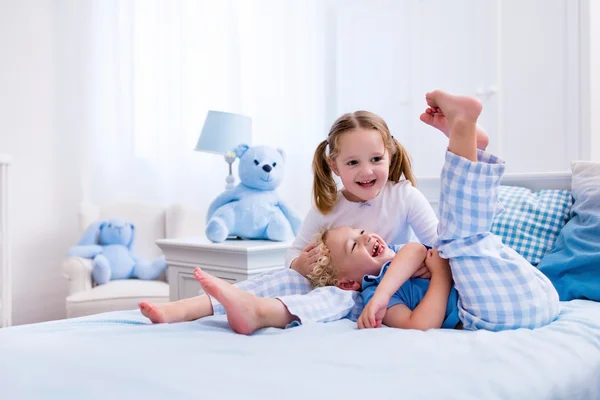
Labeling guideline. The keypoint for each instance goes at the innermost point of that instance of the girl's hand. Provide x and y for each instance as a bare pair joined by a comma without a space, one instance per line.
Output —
373,313
423,272
306,261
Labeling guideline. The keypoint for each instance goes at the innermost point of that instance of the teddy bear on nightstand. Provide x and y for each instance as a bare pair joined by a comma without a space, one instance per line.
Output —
253,208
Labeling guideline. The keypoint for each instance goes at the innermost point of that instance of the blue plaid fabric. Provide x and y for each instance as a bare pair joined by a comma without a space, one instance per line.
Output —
324,304
498,289
531,221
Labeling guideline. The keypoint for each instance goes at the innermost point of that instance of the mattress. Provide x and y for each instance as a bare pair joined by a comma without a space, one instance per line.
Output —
120,355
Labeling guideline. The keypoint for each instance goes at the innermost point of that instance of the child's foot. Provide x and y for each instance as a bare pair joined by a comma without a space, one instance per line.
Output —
246,313
159,315
436,118
454,107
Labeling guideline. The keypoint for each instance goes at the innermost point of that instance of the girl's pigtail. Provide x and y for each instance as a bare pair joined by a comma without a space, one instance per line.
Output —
400,164
324,187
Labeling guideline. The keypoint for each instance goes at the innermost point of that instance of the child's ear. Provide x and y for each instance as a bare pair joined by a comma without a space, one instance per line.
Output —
333,166
348,284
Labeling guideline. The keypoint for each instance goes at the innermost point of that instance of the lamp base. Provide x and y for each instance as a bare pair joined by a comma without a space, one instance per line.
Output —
229,181
230,158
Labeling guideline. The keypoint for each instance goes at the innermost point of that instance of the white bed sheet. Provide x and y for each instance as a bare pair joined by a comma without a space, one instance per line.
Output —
119,355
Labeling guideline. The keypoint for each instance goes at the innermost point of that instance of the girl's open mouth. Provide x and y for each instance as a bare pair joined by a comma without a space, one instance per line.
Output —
367,184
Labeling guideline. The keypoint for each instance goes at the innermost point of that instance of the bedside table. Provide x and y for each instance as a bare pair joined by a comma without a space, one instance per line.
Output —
233,260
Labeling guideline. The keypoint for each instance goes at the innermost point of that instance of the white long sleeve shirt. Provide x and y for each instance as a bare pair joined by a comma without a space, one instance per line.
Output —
397,214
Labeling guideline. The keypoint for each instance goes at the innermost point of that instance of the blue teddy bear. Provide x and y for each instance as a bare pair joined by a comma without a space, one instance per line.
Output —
253,209
108,243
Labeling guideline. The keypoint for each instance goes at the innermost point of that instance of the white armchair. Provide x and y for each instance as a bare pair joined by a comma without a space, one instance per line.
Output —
85,297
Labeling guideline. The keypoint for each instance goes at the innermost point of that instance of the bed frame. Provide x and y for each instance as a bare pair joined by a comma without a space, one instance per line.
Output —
430,186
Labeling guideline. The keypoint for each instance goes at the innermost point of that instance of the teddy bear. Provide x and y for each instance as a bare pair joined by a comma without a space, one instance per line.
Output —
108,244
253,208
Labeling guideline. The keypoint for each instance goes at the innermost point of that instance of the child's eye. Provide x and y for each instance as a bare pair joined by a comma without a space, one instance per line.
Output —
256,162
376,159
353,246
353,162
363,231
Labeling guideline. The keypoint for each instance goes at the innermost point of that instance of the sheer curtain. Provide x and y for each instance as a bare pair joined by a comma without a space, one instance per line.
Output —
158,66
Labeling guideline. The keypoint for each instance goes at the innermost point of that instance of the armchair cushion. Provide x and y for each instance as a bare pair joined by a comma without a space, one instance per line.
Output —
116,295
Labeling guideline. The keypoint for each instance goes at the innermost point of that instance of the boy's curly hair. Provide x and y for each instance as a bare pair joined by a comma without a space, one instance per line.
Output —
324,273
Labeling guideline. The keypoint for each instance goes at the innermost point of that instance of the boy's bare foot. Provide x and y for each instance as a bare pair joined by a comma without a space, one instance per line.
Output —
160,314
436,118
454,107
462,113
246,313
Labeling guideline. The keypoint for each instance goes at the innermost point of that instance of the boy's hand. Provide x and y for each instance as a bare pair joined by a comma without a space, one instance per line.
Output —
307,260
437,264
373,313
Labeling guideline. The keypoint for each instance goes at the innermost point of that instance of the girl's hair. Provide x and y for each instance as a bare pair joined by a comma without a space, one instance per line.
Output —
324,273
324,187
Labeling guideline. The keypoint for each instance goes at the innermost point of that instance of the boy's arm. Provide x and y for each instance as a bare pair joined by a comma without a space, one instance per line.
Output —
430,312
405,263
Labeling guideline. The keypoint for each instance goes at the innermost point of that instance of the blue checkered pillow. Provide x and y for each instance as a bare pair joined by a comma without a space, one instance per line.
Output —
531,221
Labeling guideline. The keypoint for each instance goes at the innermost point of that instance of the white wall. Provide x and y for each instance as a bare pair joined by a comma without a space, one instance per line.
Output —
594,27
44,191
520,57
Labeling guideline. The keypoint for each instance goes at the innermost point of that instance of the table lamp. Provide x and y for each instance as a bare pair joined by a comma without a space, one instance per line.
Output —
222,133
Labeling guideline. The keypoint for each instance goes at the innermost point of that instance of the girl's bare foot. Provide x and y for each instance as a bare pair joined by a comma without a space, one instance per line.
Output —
454,107
246,313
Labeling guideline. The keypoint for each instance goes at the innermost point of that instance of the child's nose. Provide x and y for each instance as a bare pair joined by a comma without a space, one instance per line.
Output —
367,170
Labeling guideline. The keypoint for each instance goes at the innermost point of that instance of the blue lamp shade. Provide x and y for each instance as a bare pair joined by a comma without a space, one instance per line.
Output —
223,132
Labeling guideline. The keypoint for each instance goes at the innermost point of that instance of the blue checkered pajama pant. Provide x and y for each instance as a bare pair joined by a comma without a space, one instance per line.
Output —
323,304
498,289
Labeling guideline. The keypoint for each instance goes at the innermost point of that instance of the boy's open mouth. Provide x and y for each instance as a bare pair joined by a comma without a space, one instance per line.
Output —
377,248
366,184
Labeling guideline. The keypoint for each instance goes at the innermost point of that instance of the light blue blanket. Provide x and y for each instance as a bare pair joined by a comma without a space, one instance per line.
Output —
120,356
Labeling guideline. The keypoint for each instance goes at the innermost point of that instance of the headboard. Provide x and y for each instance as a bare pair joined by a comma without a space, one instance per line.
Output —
430,186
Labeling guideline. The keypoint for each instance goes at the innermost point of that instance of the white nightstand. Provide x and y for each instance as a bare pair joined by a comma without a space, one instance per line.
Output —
232,260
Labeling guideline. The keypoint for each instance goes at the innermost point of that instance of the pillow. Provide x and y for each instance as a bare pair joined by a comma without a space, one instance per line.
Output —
573,265
531,221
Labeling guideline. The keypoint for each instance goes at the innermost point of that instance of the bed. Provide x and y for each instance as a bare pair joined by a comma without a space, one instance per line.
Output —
120,355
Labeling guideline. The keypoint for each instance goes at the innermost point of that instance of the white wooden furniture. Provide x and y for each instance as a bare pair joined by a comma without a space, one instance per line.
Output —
5,269
233,260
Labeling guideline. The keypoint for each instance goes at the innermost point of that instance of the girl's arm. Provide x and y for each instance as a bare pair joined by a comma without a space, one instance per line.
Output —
421,217
310,227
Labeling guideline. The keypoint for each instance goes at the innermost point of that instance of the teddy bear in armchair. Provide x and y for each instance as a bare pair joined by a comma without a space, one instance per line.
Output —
253,208
108,244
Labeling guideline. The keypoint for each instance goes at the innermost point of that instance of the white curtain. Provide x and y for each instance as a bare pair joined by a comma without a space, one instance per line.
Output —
158,66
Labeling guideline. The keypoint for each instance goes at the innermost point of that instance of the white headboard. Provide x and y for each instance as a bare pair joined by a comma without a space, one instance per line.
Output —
5,273
430,186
